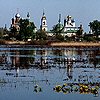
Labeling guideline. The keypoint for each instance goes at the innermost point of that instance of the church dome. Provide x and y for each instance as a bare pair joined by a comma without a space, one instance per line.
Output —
59,27
17,15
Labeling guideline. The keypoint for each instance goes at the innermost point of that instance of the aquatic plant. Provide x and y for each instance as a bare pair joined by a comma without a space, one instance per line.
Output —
37,88
81,88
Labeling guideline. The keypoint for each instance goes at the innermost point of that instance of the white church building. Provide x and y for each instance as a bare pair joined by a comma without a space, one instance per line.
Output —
67,28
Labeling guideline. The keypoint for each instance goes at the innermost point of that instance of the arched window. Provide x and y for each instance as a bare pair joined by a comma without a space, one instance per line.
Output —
44,23
44,29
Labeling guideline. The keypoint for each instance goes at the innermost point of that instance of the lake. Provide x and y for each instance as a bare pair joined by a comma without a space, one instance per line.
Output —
49,73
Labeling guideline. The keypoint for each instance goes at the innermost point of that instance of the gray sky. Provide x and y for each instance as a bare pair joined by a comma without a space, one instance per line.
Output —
83,11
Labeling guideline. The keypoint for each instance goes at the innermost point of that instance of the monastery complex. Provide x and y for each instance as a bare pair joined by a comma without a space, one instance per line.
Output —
68,28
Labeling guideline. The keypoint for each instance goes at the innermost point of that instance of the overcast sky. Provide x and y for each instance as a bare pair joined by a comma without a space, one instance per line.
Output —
83,11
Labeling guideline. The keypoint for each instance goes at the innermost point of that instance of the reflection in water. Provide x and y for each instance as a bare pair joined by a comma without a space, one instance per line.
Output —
44,57
78,69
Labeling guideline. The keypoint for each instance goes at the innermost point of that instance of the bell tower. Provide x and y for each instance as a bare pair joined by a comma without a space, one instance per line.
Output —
43,26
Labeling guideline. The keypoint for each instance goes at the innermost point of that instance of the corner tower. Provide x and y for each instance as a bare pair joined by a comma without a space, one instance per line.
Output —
43,25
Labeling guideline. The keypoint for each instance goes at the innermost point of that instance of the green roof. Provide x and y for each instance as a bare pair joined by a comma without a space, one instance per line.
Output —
71,31
68,31
59,25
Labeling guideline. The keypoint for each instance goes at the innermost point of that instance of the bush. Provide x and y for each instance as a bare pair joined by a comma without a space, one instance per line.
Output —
41,35
88,39
60,37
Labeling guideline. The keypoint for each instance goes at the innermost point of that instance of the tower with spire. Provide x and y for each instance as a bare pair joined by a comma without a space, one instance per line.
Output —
43,25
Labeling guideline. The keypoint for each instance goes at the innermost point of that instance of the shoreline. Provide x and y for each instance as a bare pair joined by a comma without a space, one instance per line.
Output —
76,44
53,44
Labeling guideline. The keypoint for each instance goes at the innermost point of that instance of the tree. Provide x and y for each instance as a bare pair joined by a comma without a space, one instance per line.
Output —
4,33
41,35
26,29
57,30
13,32
60,37
95,27
1,33
79,33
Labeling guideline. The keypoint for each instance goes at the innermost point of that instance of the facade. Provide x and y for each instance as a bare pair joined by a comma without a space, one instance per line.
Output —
69,26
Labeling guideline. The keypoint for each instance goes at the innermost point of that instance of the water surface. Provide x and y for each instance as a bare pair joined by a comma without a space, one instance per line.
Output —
40,73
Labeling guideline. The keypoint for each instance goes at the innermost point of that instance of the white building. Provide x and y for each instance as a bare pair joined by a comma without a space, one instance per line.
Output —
67,29
69,26
43,25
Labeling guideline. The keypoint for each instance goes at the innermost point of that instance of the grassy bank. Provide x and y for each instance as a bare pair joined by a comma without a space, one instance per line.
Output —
9,42
75,44
5,42
50,43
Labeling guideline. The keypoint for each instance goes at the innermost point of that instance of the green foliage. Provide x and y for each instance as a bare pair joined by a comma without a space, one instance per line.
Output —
13,32
79,34
95,26
57,28
60,37
89,38
41,35
26,30
98,39
4,33
1,32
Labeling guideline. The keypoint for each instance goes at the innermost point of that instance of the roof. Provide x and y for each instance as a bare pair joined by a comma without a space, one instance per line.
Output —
71,31
68,31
